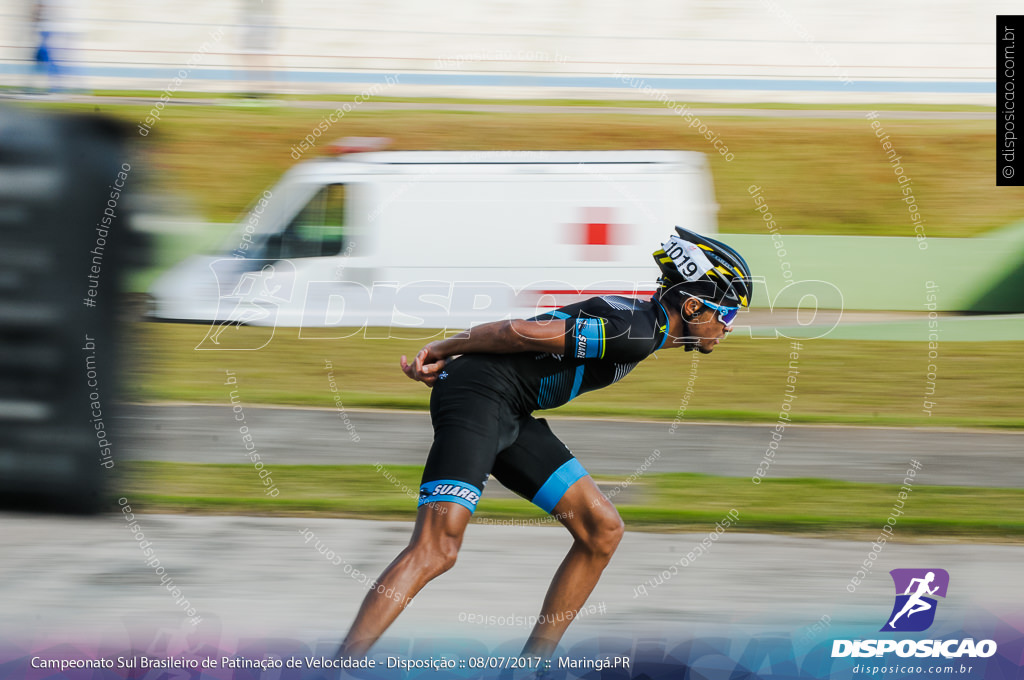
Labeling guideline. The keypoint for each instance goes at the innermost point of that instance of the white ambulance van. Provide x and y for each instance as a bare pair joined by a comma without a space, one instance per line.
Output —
443,239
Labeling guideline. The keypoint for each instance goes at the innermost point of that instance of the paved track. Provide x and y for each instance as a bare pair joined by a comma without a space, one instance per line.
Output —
193,433
84,577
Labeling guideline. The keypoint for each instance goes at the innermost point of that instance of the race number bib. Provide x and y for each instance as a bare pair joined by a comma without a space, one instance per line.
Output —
689,258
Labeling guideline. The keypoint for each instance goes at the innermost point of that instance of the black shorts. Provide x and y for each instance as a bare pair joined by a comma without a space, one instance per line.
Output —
477,433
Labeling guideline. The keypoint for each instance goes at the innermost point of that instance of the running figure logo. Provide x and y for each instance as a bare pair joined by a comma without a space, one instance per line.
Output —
258,290
914,610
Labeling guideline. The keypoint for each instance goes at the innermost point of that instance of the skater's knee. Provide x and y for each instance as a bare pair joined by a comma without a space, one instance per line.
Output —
606,531
437,556
447,552
437,538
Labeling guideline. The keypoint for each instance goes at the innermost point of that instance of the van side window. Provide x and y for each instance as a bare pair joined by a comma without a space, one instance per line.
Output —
318,229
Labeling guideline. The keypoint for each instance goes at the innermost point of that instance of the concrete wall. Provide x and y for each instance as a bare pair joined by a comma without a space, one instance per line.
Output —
982,274
790,50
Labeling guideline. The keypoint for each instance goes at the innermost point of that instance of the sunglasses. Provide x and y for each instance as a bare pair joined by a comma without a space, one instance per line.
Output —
725,314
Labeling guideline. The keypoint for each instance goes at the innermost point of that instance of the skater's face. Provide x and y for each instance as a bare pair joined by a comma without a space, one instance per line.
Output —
704,326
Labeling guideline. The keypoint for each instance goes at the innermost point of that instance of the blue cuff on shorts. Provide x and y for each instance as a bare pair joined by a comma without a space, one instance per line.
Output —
558,483
449,491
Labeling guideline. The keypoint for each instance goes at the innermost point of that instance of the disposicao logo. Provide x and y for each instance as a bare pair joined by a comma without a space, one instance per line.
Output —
913,612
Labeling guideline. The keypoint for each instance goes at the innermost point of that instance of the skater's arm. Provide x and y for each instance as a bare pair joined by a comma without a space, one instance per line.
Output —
498,337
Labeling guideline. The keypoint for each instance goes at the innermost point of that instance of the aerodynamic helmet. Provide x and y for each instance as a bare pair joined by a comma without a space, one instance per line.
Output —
704,268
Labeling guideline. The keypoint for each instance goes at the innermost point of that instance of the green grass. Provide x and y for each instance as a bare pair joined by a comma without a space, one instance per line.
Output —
840,381
668,502
822,176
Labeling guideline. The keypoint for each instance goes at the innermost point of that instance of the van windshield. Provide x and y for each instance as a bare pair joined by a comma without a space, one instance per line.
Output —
318,230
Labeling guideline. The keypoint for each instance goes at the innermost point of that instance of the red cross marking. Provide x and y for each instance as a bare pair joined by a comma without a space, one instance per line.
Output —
598,236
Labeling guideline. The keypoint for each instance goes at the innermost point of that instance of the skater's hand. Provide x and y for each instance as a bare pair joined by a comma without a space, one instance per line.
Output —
426,366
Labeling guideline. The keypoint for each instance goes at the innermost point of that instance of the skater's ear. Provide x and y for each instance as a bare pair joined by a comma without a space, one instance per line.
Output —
690,309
